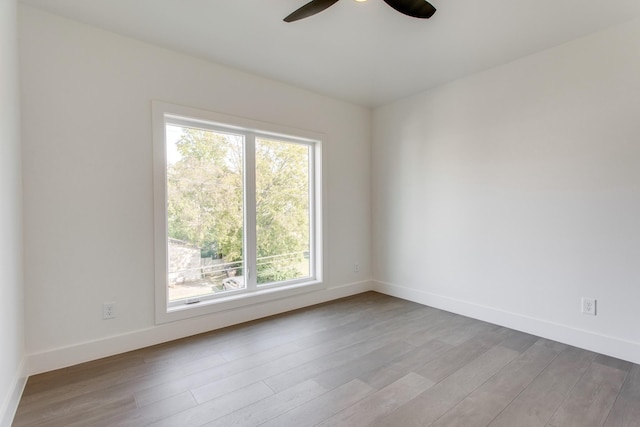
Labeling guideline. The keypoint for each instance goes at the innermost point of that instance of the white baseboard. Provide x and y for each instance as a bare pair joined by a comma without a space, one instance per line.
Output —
12,399
604,344
92,350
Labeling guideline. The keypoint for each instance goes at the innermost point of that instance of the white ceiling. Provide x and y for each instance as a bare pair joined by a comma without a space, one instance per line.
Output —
365,53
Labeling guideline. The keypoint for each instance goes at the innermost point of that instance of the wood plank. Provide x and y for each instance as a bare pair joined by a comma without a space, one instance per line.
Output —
380,403
69,415
519,341
93,400
348,346
535,406
211,390
127,381
216,408
172,386
466,330
323,407
440,327
370,361
82,373
591,399
311,369
488,400
306,326
136,417
433,403
398,368
612,362
626,409
271,407
459,356
245,371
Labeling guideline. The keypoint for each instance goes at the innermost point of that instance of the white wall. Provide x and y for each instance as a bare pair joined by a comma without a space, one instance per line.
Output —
12,373
88,182
509,195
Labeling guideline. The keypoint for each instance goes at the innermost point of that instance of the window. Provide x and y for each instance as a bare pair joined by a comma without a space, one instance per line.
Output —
238,211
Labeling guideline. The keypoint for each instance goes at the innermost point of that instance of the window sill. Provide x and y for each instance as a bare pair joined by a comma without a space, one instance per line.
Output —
231,302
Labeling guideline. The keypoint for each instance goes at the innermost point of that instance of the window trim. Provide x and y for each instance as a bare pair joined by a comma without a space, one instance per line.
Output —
264,293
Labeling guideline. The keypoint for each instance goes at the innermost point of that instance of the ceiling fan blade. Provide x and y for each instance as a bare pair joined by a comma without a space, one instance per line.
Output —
415,8
311,8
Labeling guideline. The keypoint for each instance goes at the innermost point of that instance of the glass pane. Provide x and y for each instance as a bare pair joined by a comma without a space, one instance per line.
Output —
205,212
282,211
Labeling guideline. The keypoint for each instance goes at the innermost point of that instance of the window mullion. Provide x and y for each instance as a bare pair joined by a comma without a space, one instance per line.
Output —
250,212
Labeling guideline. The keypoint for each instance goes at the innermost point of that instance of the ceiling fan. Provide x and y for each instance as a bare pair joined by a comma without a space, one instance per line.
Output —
415,8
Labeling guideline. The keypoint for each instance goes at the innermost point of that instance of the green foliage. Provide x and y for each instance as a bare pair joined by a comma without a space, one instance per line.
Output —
205,200
270,273
282,205
205,193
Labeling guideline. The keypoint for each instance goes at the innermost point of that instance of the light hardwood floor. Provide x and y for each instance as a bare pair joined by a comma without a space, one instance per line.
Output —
365,360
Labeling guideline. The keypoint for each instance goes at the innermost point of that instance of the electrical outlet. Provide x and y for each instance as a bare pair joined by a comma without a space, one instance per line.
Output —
109,310
589,306
356,268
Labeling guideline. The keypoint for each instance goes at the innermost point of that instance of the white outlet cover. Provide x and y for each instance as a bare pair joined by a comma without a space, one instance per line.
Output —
589,306
109,310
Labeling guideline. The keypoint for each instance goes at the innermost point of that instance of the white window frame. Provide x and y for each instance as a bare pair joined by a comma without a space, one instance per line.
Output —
163,113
